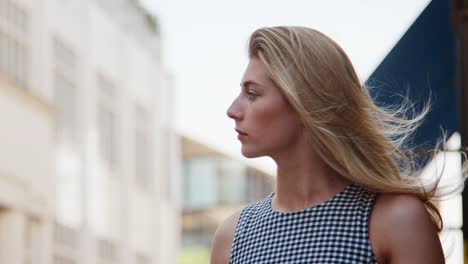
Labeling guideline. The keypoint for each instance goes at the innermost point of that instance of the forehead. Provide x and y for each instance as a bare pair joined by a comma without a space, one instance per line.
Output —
256,72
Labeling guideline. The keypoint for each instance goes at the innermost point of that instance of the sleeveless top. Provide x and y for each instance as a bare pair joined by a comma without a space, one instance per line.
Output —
335,231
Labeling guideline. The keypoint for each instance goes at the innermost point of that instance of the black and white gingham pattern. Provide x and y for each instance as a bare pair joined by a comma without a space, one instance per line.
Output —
335,231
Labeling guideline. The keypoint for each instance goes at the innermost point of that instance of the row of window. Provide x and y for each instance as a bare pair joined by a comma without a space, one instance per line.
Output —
14,15
14,57
14,39
209,182
58,259
63,260
30,239
142,163
106,250
15,64
65,236
66,100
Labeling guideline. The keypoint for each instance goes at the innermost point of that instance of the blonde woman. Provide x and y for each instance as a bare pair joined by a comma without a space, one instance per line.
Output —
346,189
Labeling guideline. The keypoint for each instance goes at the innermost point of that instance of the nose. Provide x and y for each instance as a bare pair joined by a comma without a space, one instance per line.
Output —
234,111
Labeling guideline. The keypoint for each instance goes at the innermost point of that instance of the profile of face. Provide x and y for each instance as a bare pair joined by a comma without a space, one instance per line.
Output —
266,122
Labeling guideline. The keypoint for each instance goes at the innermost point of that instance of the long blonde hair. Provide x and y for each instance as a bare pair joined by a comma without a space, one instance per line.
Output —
360,140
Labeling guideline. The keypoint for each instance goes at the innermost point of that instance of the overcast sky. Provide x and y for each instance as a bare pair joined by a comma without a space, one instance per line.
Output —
204,46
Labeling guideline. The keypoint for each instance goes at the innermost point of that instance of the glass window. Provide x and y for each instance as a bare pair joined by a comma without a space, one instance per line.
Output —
142,259
166,162
201,177
65,91
3,51
63,260
106,125
106,250
231,182
65,236
65,102
143,173
107,121
14,57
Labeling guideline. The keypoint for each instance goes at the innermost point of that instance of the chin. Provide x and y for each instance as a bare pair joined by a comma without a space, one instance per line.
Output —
251,154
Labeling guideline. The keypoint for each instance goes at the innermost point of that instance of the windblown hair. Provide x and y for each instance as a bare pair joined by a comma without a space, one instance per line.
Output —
363,142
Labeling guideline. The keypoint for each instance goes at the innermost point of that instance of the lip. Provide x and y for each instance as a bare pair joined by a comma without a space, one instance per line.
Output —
241,132
241,137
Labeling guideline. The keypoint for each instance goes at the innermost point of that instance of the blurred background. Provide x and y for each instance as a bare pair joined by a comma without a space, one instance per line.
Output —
115,146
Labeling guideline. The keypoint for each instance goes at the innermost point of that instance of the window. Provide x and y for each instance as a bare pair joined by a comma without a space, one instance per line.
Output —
65,102
63,260
63,55
106,251
258,185
14,38
166,163
65,244
65,236
200,183
142,259
107,135
107,121
143,173
14,15
65,90
30,239
231,182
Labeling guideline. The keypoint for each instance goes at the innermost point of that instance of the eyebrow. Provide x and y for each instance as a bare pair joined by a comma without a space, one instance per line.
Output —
247,83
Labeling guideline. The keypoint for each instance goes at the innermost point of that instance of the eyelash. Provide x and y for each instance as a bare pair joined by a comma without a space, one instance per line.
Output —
251,96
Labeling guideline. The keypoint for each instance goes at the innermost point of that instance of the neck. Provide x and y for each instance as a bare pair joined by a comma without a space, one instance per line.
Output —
304,180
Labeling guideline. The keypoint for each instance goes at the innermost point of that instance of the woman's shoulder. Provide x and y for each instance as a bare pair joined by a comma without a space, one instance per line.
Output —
399,207
401,229
222,240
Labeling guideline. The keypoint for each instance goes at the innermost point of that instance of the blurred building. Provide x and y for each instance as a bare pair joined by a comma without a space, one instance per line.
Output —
88,157
214,187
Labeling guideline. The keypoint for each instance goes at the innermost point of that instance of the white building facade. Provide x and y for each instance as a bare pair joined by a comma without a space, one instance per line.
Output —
89,159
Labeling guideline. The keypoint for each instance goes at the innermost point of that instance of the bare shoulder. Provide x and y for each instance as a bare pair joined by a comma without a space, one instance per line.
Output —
401,231
221,245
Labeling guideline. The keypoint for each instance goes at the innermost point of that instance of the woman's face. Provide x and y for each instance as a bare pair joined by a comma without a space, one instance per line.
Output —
266,123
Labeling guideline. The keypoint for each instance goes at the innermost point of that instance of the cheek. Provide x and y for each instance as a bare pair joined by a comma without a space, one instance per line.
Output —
264,119
277,124
284,131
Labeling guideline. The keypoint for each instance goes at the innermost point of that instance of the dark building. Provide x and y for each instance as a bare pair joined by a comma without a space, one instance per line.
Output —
429,63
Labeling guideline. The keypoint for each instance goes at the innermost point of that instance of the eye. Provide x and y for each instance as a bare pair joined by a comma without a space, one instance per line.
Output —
251,95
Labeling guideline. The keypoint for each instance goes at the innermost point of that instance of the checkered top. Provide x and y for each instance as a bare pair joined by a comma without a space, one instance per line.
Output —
335,231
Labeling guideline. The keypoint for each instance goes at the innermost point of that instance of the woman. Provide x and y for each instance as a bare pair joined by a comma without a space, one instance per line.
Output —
346,188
